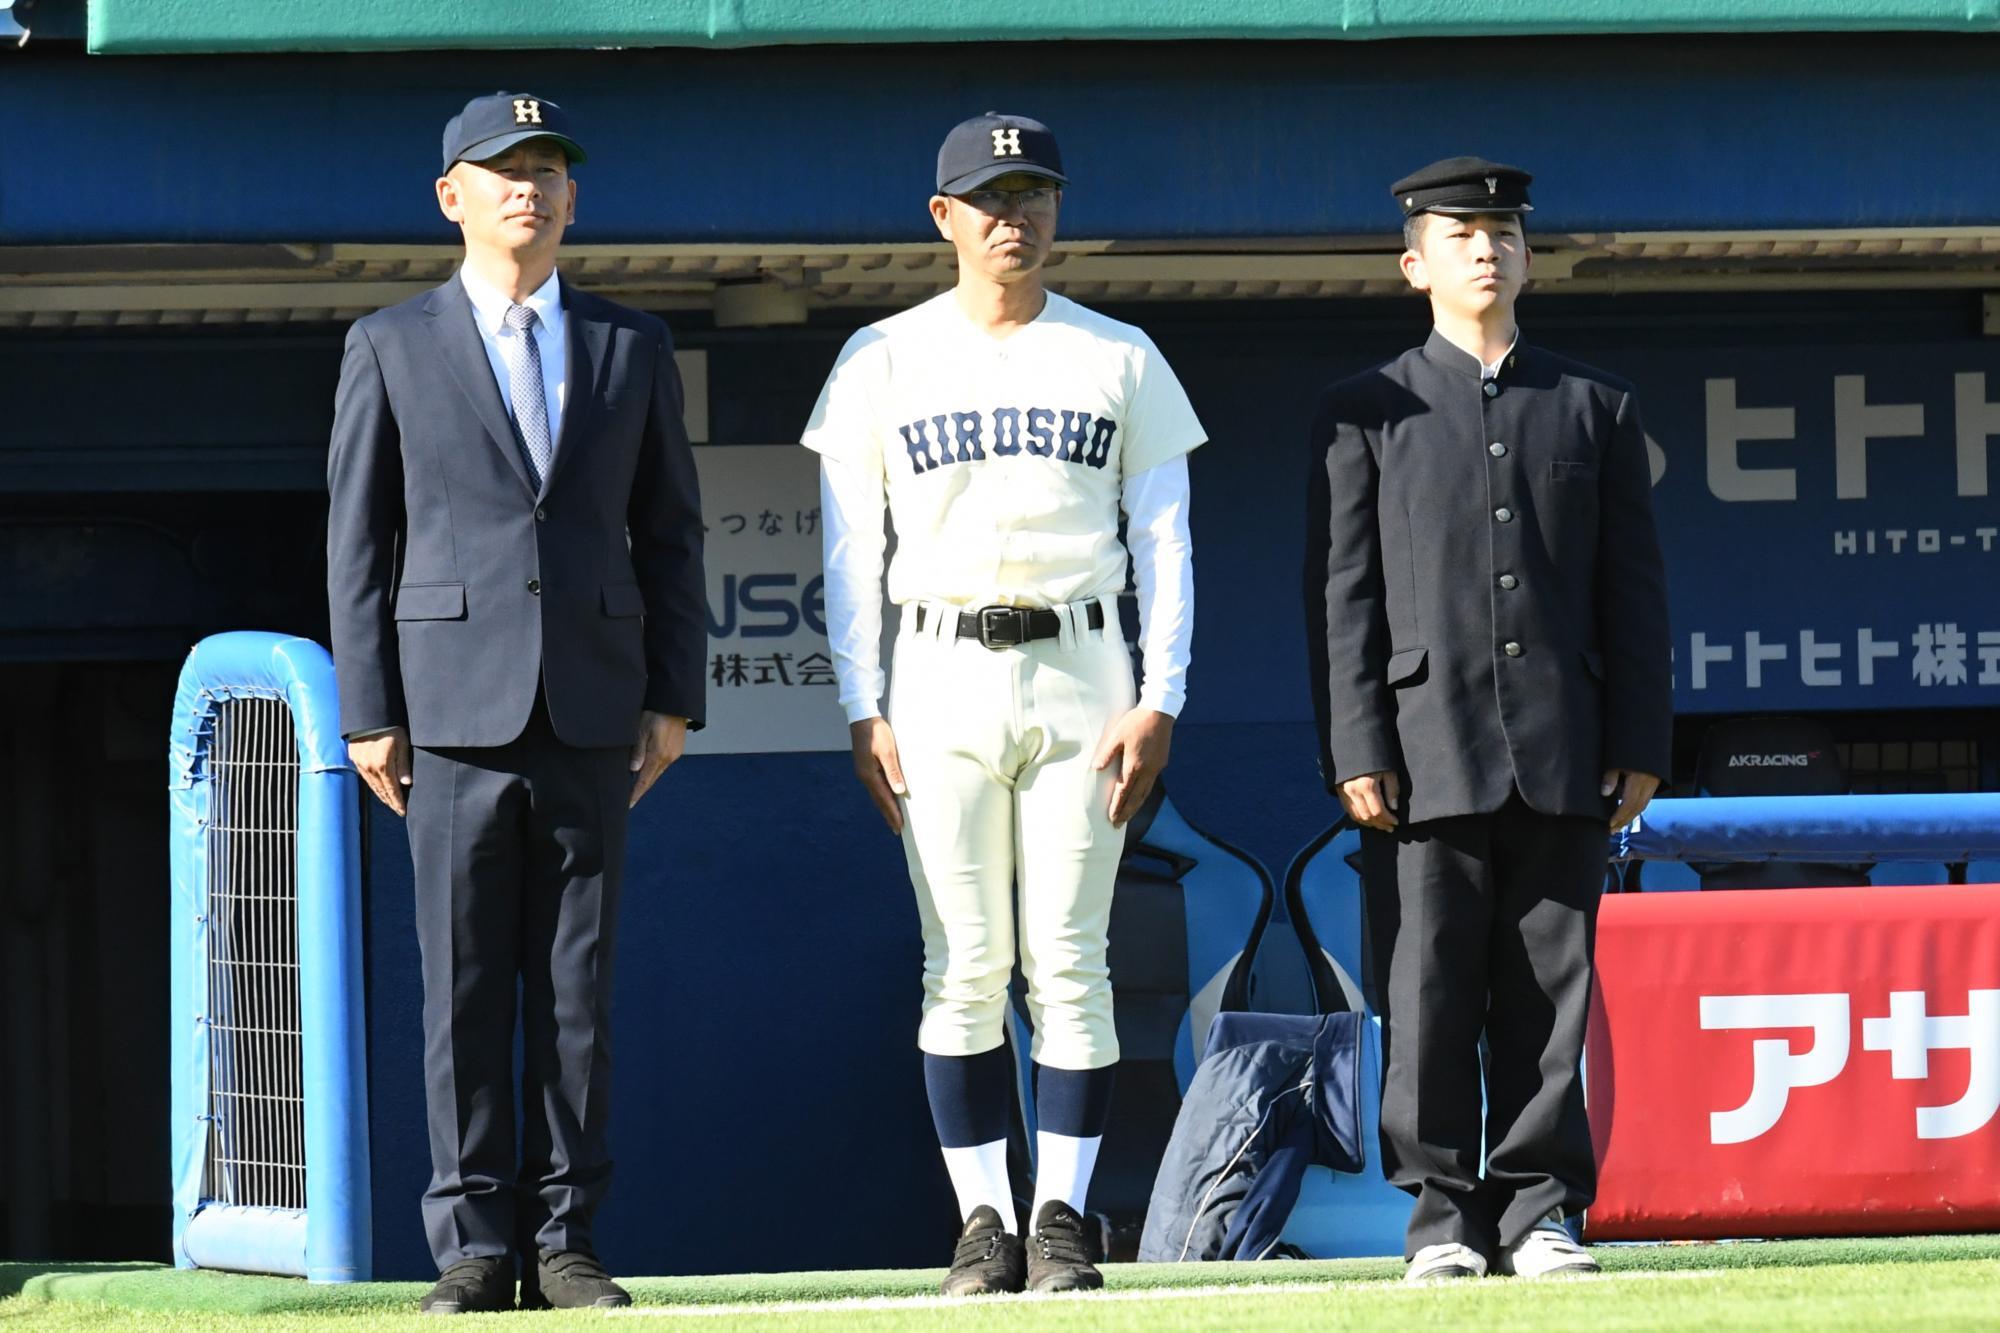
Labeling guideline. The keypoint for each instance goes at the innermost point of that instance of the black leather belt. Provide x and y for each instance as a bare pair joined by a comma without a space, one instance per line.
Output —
998,627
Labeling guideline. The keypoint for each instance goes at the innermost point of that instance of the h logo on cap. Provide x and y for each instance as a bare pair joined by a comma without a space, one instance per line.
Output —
527,111
1007,143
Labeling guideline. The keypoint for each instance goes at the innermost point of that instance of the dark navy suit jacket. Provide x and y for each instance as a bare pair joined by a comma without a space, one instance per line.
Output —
456,589
1486,602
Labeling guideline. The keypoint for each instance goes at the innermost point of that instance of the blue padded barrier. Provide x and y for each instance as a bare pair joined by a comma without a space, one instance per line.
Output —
310,836
1960,826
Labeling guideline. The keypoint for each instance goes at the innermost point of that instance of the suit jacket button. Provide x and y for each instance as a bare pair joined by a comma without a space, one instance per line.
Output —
535,587
1509,582
1504,514
1497,449
1492,389
1512,649
541,514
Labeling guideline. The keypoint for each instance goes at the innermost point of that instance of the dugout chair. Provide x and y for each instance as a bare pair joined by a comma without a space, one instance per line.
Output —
1661,877
1340,1215
1186,919
1772,756
1889,873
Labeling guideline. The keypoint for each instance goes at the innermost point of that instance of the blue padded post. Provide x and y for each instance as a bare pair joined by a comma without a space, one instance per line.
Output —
332,1242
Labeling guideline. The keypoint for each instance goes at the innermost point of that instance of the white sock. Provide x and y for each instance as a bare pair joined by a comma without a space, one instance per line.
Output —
1062,1169
979,1175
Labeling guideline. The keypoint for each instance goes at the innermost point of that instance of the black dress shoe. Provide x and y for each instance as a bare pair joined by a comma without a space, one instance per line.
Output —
1059,1257
472,1286
988,1258
574,1280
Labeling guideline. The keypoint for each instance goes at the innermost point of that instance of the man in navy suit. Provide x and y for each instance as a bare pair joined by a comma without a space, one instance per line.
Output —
515,581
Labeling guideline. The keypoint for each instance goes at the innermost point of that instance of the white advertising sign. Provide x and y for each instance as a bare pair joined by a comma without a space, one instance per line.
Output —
771,685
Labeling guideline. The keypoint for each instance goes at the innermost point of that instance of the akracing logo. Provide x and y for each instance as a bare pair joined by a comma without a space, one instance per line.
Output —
1773,760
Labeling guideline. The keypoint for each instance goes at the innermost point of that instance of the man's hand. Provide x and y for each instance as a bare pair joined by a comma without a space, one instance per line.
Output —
383,761
1370,800
1139,740
1637,790
661,740
879,769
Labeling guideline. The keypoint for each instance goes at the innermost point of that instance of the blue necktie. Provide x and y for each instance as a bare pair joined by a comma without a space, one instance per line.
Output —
524,389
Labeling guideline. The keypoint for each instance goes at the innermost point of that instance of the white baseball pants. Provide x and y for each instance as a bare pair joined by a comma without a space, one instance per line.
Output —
997,750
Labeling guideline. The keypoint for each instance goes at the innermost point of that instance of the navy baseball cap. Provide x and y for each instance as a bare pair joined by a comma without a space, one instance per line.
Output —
990,146
490,125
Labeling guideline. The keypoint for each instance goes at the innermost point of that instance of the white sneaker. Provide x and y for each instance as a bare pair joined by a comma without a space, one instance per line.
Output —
1547,1250
1438,1263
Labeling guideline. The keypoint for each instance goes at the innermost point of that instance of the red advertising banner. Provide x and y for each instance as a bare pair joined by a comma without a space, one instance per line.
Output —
1796,1062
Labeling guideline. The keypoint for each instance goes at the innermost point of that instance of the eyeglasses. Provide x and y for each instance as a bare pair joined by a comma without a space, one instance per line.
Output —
1036,199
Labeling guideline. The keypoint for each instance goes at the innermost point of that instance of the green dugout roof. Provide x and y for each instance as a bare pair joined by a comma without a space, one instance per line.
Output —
140,26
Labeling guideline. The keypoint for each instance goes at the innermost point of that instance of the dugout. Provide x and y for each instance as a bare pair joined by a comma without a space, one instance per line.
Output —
1783,232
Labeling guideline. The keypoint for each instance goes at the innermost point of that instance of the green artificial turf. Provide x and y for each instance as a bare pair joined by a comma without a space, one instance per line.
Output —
1933,1282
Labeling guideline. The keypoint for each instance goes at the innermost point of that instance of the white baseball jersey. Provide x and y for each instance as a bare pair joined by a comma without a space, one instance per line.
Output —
1004,463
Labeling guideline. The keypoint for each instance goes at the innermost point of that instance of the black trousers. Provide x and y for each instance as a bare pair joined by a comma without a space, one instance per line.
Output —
519,853
1484,926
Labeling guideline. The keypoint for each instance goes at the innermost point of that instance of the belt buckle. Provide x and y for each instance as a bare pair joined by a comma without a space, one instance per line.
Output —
1002,627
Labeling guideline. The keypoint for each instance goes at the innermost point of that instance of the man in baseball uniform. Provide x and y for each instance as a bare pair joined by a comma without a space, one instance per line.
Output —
1003,428
1495,697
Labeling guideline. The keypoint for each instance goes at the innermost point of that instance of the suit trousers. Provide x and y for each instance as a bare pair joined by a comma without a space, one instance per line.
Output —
519,852
1483,926
997,749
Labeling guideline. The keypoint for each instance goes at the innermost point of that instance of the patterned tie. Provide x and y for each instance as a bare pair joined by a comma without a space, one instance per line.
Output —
524,389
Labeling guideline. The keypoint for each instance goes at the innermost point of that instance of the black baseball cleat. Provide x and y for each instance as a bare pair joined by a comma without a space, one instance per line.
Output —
472,1286
1059,1252
574,1280
988,1258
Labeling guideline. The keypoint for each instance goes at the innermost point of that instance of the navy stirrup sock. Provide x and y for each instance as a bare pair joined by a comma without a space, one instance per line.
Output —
970,1096
1075,1103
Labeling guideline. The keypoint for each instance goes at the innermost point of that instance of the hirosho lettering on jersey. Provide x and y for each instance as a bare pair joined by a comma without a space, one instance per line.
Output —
1003,460
1008,432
